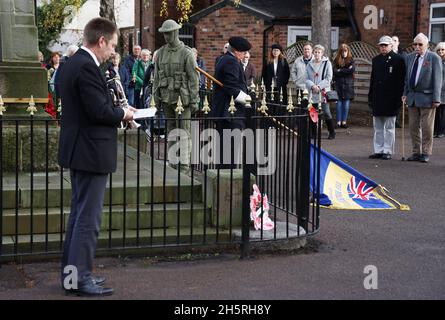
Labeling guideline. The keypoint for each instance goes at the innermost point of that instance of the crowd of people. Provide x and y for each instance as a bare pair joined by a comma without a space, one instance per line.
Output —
313,71
89,122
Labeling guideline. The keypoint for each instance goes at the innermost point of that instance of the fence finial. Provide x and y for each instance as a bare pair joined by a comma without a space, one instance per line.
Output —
152,102
2,108
290,105
179,109
232,108
206,107
263,107
32,106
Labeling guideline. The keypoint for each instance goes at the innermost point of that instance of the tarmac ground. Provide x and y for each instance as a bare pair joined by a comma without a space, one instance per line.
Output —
404,249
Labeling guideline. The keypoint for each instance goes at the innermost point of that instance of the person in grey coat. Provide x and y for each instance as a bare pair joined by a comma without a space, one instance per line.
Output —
439,121
384,98
319,77
422,92
298,71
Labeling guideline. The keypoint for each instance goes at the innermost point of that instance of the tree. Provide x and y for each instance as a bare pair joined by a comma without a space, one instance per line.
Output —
321,24
51,16
106,10
184,7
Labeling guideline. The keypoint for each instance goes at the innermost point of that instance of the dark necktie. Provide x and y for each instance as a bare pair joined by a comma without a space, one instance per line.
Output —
412,79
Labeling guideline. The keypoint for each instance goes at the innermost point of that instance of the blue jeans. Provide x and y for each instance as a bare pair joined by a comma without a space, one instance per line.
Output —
342,110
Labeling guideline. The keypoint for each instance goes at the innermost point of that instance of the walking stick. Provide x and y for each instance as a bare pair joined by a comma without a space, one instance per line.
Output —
403,130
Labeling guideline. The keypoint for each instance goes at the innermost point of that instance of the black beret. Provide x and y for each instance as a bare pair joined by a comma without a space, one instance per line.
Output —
277,46
240,44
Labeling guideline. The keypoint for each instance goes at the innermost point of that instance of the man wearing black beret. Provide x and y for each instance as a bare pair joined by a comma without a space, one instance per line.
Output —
229,71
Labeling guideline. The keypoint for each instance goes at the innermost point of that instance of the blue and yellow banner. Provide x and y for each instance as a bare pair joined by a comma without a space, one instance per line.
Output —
343,187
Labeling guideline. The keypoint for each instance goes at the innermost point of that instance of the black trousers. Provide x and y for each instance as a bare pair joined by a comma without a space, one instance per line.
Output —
439,121
87,200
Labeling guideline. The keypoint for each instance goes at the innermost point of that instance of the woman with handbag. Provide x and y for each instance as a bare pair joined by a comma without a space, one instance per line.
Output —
318,83
344,69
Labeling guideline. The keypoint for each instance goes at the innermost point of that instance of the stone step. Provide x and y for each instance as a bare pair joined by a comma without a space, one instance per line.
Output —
148,218
120,191
153,175
132,239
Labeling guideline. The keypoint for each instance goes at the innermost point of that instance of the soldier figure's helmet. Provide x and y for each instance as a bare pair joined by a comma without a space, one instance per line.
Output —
169,25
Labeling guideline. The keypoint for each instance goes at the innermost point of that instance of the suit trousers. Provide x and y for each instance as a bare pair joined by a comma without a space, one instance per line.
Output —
421,127
384,134
87,198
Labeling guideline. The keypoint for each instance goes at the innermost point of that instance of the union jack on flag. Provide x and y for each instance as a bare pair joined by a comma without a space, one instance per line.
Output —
358,189
343,187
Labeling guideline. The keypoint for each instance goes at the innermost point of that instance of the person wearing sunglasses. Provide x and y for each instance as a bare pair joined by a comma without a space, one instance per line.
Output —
423,84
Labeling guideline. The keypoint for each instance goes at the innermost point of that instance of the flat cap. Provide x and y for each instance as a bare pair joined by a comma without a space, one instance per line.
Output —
385,40
240,44
169,25
277,46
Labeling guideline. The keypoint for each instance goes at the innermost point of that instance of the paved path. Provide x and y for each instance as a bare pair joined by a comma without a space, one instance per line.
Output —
408,249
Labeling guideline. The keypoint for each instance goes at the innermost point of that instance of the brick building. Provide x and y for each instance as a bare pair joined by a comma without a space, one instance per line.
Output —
402,18
152,21
265,22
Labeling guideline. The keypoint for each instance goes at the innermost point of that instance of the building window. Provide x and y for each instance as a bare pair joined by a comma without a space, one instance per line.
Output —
299,33
437,22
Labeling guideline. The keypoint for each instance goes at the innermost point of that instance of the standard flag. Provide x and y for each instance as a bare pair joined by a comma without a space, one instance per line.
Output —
343,187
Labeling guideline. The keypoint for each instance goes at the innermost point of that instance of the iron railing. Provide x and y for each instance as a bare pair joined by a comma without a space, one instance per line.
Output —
150,201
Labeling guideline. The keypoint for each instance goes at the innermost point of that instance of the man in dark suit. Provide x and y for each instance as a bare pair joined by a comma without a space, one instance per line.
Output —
88,147
230,73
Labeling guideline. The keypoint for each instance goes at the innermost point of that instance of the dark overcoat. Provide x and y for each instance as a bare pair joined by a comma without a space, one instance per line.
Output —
230,72
344,80
281,77
387,84
88,132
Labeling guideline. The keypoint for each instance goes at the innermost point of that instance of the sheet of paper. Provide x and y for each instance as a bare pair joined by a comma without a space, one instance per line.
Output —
145,113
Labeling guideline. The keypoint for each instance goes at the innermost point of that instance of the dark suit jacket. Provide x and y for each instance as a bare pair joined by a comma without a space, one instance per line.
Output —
282,76
386,87
230,72
88,133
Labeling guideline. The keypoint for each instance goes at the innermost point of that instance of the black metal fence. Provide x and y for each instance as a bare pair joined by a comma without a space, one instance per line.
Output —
152,201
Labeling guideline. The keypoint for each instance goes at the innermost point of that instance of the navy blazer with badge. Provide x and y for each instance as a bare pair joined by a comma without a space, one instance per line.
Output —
88,134
386,86
230,72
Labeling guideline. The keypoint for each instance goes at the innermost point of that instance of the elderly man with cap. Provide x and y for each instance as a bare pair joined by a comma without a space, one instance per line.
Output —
385,92
230,73
175,77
